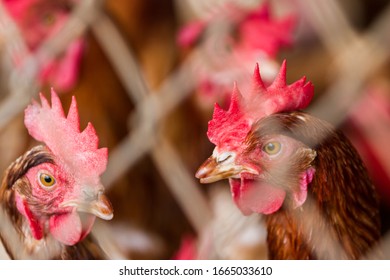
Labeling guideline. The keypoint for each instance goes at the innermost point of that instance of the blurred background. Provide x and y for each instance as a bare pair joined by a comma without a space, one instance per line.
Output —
147,73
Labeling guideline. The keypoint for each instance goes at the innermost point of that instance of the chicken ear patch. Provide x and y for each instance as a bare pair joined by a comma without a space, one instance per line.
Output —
301,195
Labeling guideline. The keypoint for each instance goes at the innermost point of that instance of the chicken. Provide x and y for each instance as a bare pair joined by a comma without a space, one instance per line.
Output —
51,195
229,41
296,169
39,20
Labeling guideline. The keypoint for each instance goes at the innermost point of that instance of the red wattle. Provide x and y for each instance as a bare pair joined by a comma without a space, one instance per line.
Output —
69,228
256,196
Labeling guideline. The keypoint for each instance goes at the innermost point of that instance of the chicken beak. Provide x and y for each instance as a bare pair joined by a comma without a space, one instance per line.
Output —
211,171
100,206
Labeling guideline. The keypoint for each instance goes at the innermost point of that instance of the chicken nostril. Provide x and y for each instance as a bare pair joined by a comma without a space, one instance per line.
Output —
106,206
90,194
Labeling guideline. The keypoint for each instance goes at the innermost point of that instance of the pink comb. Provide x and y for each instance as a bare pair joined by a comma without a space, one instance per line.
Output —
31,17
259,30
229,128
77,150
255,29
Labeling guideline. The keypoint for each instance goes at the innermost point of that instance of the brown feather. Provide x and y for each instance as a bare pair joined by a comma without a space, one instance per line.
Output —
340,218
13,179
88,249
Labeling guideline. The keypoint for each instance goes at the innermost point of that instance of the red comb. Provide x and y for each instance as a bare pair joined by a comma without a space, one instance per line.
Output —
229,128
77,150
260,30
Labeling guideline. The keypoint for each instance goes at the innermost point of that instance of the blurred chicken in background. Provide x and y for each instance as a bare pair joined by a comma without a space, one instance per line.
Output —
38,20
229,40
368,128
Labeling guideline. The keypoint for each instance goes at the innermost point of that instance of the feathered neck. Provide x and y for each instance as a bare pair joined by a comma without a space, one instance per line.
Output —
15,233
340,219
20,244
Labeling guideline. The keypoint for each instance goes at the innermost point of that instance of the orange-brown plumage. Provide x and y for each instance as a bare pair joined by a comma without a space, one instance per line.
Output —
340,218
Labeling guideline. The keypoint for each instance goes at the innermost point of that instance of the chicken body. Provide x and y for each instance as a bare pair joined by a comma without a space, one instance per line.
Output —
340,217
332,213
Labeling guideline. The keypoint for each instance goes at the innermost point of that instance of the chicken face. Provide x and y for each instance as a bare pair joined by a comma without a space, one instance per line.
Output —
39,19
221,166
264,173
262,165
52,197
59,189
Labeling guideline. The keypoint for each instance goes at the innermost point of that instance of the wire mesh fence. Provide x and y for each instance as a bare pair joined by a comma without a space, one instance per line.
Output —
141,91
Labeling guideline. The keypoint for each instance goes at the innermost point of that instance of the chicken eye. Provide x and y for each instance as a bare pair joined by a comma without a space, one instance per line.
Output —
46,180
272,148
224,157
48,19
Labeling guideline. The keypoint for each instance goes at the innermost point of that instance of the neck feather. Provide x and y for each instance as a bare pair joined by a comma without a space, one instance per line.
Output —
340,218
15,233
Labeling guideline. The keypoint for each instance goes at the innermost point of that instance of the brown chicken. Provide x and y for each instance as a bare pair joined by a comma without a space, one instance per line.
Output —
51,195
296,169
